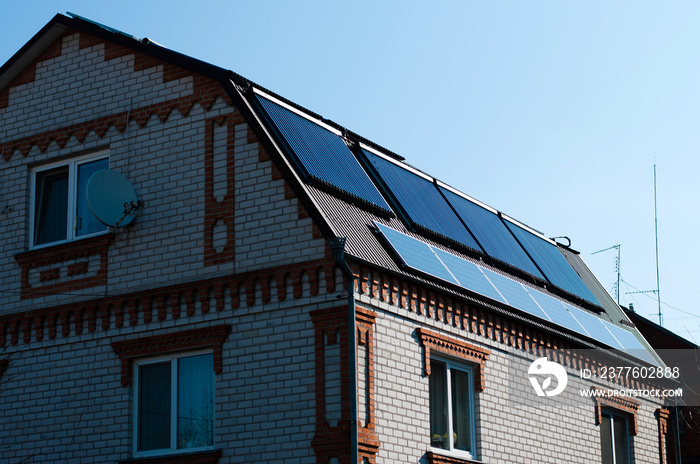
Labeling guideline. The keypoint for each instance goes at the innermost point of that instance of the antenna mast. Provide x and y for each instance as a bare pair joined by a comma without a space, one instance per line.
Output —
656,235
616,287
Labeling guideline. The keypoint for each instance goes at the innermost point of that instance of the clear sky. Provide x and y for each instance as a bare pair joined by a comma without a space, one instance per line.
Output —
553,112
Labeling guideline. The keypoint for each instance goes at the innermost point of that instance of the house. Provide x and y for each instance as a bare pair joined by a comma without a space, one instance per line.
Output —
272,287
683,438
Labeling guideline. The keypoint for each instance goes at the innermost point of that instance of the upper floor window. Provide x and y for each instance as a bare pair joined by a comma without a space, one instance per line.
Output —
174,407
452,417
60,211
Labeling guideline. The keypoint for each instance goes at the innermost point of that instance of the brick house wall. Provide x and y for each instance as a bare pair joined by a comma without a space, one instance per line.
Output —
225,257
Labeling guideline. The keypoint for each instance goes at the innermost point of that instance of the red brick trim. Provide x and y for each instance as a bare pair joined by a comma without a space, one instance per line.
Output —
663,416
174,301
216,210
28,74
434,458
455,311
331,441
627,406
206,457
209,337
368,442
60,254
435,341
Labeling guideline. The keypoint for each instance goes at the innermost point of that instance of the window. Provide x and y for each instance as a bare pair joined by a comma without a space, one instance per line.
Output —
452,418
614,438
59,207
174,406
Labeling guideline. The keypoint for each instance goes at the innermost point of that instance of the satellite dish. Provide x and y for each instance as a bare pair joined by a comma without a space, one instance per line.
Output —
110,197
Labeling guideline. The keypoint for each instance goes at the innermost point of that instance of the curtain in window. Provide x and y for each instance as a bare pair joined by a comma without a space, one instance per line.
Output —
154,407
195,421
460,409
438,405
87,223
51,206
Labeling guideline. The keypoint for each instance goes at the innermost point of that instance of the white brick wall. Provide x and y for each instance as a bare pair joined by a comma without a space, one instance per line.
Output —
513,424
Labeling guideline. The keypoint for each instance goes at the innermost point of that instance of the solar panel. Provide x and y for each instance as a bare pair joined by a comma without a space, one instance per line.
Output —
322,154
469,275
557,312
450,268
493,236
595,327
630,343
515,294
416,254
421,201
552,263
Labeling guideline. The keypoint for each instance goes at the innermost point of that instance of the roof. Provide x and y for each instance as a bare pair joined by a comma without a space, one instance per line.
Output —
396,217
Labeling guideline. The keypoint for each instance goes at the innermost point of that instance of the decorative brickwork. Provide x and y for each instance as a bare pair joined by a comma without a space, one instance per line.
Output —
219,294
205,92
331,440
82,250
368,442
219,209
210,337
453,347
453,311
662,415
624,405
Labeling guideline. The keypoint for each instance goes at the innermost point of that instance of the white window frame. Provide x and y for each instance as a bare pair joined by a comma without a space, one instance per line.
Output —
72,165
469,370
612,414
173,450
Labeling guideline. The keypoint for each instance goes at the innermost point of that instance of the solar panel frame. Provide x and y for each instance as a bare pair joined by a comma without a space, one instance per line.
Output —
322,154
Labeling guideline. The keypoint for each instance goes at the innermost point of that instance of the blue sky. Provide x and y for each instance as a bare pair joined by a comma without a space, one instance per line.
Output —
552,112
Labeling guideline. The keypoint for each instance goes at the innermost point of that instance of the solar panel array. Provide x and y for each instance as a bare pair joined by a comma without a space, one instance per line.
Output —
322,154
323,157
432,261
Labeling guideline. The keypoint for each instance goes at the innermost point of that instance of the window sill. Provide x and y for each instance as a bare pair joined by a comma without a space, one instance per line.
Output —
204,457
438,458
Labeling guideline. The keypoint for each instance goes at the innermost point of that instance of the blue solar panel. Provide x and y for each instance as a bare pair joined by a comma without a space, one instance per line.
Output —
416,254
493,236
557,312
630,343
432,261
421,201
469,275
595,327
552,263
323,155
515,294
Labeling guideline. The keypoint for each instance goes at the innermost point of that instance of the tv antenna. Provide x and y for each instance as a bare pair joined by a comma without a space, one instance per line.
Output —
616,285
656,238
